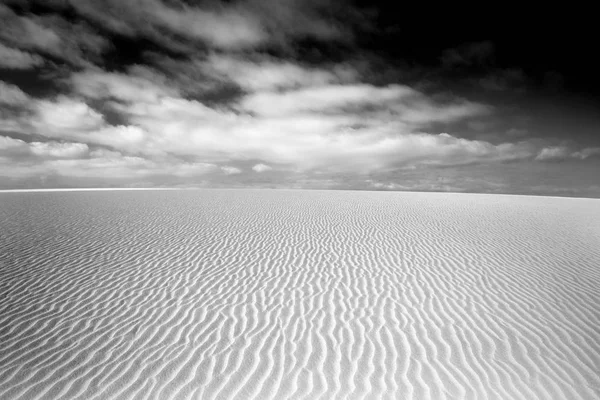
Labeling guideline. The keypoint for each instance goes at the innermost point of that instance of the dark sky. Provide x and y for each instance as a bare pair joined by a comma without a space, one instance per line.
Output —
298,93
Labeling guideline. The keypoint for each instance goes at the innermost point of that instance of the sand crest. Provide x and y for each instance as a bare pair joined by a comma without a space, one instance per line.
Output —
258,294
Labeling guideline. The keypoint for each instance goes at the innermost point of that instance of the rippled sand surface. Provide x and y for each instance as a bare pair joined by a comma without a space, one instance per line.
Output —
250,294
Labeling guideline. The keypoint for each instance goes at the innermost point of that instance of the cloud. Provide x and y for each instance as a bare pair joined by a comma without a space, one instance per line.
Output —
12,95
261,168
9,144
59,150
305,119
296,90
75,160
219,26
65,117
16,59
129,88
222,27
27,32
13,104
240,88
325,98
270,74
554,153
233,25
70,119
52,35
586,152
231,170
19,149
421,186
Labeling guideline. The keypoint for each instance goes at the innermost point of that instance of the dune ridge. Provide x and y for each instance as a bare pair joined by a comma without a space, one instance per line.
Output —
256,294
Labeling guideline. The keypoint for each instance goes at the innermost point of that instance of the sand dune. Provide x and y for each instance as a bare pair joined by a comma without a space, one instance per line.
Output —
250,294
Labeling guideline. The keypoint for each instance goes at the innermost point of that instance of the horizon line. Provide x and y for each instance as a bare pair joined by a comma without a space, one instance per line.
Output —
101,189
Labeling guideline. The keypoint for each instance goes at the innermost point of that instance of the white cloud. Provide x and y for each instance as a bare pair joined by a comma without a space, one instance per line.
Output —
423,111
126,167
564,152
261,168
554,152
324,98
71,119
303,120
7,144
269,74
19,149
421,186
231,170
398,103
329,127
123,87
74,160
59,150
66,115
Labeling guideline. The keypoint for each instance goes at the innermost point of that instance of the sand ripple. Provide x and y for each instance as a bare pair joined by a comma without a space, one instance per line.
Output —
232,294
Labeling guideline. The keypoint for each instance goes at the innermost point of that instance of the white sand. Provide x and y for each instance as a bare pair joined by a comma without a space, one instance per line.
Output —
218,294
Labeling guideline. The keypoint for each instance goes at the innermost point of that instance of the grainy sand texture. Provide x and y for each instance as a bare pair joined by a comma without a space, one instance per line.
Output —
264,294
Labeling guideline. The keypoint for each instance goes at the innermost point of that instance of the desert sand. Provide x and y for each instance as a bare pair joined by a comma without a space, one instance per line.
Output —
277,294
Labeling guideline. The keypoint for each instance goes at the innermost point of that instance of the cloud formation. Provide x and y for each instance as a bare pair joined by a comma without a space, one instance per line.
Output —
555,153
261,168
301,118
50,35
230,26
16,59
12,95
244,92
20,159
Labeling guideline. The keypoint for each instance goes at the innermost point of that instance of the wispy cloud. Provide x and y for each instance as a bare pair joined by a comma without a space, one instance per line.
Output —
52,35
232,25
77,160
556,153
16,59
12,95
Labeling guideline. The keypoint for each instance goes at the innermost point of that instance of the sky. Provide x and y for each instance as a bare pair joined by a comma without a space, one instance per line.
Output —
316,94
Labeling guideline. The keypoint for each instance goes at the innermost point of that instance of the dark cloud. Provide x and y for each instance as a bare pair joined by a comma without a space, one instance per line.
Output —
52,36
232,25
11,58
